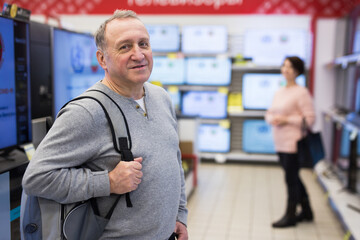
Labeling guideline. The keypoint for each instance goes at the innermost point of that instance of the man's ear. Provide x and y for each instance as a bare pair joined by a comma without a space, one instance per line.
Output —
101,59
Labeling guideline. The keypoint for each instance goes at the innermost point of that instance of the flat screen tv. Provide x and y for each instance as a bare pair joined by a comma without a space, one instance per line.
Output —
257,137
10,201
164,38
204,39
213,138
208,71
168,71
75,67
175,96
269,47
258,89
15,104
204,104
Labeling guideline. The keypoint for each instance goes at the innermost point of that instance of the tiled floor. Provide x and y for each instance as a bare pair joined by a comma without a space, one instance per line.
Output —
240,201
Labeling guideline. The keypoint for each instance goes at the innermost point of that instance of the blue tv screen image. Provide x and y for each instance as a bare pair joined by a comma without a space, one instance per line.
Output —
175,96
15,105
208,71
168,71
213,138
258,89
257,137
345,144
164,38
206,39
269,47
75,65
204,104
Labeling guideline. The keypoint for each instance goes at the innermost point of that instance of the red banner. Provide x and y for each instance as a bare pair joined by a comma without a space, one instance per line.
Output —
331,8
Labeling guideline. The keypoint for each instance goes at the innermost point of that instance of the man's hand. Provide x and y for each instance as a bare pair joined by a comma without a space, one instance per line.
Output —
126,176
181,231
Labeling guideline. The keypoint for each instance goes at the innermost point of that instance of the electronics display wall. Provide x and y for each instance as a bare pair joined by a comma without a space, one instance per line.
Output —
196,78
15,105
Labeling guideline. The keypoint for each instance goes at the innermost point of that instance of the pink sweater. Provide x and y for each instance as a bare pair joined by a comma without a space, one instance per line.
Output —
293,103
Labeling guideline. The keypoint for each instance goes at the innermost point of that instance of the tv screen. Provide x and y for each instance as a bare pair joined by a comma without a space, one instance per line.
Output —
204,104
345,144
257,137
10,201
75,67
168,71
258,89
175,96
164,38
213,138
269,47
205,39
15,105
208,71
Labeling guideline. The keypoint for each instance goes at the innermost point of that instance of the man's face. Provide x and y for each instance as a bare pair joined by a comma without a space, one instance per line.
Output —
128,55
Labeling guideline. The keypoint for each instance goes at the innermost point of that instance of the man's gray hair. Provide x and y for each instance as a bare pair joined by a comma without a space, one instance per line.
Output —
100,33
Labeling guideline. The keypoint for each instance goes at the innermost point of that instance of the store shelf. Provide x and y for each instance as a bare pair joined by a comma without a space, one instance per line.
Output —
248,113
251,67
239,156
344,61
341,119
345,204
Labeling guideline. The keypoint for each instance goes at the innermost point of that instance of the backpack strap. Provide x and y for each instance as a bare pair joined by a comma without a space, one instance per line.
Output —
122,144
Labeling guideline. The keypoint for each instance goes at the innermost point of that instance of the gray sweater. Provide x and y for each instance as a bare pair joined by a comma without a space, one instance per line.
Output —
81,136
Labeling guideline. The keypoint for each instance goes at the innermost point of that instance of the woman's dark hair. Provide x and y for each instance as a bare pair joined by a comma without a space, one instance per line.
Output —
297,64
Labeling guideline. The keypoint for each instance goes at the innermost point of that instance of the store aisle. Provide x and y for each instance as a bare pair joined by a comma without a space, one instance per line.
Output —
240,201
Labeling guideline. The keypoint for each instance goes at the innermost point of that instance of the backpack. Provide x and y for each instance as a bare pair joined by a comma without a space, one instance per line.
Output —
42,218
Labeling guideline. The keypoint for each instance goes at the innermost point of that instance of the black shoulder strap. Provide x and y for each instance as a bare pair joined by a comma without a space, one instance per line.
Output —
122,144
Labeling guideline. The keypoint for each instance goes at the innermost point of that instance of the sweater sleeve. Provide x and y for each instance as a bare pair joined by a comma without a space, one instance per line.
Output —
305,109
54,172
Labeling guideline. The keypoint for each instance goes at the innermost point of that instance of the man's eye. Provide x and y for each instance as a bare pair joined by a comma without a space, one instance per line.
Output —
124,47
144,44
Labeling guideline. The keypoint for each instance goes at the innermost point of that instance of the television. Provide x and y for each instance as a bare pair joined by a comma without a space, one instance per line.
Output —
75,66
345,144
213,138
204,104
15,104
10,200
208,71
40,70
164,38
204,39
168,71
258,89
175,96
257,137
346,89
269,47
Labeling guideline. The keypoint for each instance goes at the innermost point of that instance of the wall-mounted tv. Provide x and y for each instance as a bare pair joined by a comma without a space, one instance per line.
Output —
213,138
168,71
15,104
257,137
204,39
258,89
269,47
164,38
208,71
75,67
204,104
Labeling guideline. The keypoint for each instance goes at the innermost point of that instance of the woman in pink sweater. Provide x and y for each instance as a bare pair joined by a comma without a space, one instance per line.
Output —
291,104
